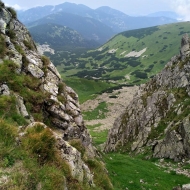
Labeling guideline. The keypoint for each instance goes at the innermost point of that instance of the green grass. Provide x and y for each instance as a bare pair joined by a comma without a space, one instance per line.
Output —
126,171
98,113
99,137
86,89
2,46
31,168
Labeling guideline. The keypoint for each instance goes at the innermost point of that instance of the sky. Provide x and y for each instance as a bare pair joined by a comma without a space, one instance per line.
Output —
130,7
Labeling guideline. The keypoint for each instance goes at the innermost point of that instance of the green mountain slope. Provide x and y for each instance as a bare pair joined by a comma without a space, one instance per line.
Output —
130,57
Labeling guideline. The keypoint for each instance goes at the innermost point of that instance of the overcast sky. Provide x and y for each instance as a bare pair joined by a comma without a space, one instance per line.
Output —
130,7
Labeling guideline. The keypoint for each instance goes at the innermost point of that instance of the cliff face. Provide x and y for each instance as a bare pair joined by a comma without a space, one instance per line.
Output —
157,119
41,97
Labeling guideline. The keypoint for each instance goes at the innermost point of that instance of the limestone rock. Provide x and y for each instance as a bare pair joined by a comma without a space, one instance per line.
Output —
21,107
35,71
79,169
185,45
2,26
186,187
4,90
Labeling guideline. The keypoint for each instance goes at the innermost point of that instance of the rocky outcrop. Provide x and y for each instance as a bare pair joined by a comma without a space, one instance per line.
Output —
65,114
157,119
79,169
184,187
45,97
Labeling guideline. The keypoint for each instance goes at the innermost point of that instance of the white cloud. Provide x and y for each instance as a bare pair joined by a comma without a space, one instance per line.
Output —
182,7
16,6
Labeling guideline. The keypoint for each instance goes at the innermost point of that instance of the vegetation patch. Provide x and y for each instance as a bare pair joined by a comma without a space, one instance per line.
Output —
100,175
140,74
38,168
2,46
87,89
127,172
98,113
26,85
29,44
40,142
12,11
99,137
8,110
140,33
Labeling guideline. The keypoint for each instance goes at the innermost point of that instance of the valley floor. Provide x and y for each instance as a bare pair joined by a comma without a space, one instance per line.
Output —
116,103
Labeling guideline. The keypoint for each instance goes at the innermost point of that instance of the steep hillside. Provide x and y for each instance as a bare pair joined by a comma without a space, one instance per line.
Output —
156,122
44,143
130,57
60,37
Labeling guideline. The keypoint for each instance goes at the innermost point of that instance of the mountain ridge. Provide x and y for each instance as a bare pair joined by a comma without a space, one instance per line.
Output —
157,119
114,19
93,29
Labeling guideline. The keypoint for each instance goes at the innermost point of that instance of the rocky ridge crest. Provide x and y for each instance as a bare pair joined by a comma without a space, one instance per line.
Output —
157,119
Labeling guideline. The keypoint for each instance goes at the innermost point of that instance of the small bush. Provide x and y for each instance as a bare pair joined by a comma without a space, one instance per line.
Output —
2,46
2,4
12,11
46,63
61,87
140,74
19,49
76,143
29,45
11,34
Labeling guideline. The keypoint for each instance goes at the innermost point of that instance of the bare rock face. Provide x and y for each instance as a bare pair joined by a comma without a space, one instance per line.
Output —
78,168
157,118
60,106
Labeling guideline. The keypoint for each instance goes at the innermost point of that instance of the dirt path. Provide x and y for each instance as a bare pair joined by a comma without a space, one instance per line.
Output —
115,106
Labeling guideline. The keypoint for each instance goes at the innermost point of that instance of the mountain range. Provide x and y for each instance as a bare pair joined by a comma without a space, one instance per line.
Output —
96,24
